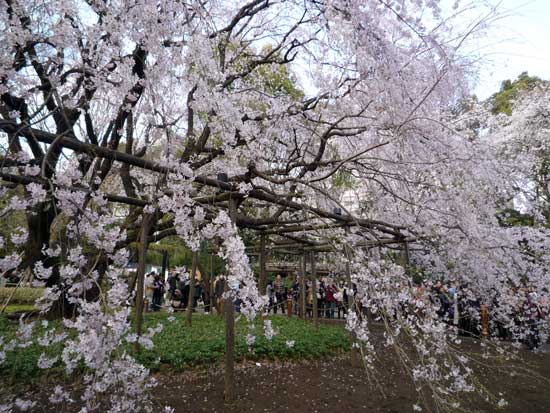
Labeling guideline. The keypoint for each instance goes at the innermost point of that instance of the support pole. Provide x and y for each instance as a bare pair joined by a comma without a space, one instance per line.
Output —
229,377
314,289
211,282
263,274
354,356
403,256
142,264
164,264
484,321
303,287
190,299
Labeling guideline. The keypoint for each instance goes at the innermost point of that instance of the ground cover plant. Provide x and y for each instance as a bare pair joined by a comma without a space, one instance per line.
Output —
179,347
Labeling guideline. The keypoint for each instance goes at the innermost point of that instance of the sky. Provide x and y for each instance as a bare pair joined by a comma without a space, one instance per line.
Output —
518,42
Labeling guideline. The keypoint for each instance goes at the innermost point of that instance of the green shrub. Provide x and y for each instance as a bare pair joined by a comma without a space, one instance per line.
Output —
22,295
179,346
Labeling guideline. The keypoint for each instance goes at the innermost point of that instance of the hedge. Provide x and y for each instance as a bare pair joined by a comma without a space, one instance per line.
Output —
22,295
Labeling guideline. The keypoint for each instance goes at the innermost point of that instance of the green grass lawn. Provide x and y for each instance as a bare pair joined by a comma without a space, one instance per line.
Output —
14,308
179,346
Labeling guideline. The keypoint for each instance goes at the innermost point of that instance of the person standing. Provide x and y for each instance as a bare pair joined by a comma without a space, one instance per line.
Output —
173,284
340,303
309,299
279,287
148,284
184,288
321,298
330,291
158,292
270,295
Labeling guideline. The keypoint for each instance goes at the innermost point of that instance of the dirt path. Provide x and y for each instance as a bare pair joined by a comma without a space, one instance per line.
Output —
332,386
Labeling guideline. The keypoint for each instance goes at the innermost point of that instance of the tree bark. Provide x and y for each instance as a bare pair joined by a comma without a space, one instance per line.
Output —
142,264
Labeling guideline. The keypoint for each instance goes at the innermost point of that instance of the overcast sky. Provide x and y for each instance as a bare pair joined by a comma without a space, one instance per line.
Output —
517,43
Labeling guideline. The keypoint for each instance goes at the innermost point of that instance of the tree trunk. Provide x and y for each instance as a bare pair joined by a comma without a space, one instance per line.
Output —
142,264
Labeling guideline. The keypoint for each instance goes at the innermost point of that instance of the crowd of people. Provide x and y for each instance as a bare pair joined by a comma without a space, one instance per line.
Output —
176,289
331,297
519,320
451,302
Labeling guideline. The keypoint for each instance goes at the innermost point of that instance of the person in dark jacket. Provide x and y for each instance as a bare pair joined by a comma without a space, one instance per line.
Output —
173,284
321,298
158,292
184,289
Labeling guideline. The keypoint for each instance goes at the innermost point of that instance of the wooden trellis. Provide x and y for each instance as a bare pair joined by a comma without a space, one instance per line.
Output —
299,236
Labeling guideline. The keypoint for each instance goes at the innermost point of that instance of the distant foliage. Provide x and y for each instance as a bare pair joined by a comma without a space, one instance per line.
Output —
503,100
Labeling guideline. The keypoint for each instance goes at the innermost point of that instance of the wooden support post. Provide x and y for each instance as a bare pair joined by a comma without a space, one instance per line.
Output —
263,274
314,289
208,285
229,376
484,321
403,256
165,264
354,356
142,264
303,287
190,299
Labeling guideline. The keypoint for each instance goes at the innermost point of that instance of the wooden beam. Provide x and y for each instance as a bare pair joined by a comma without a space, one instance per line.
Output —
328,247
310,227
